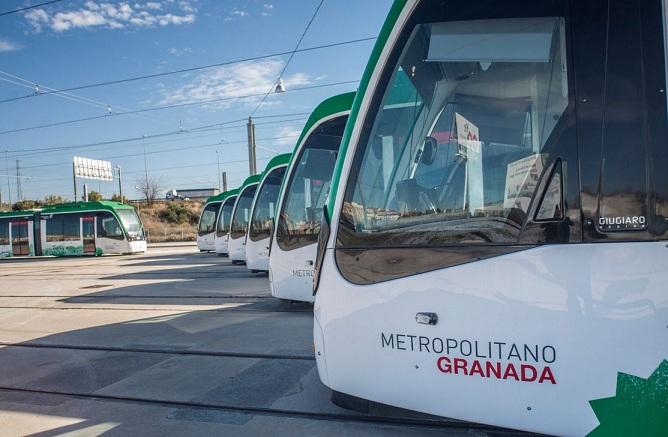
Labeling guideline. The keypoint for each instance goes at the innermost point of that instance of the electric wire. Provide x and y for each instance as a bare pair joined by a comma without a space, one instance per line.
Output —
191,69
107,107
26,8
17,153
172,106
285,67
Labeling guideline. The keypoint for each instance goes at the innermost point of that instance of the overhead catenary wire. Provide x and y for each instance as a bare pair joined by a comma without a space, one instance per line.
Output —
189,70
207,133
27,8
172,106
106,107
292,55
23,152
162,151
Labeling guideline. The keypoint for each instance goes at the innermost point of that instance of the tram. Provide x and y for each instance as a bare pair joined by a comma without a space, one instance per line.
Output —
206,226
494,244
303,194
262,214
70,229
223,221
240,218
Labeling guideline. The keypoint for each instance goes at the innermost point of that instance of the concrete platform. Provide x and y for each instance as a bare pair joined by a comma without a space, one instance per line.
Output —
173,342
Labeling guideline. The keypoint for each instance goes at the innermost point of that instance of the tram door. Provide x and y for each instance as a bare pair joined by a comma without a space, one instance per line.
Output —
88,232
20,241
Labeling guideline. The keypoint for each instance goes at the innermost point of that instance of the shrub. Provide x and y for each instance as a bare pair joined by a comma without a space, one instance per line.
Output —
54,199
94,196
118,198
26,204
177,213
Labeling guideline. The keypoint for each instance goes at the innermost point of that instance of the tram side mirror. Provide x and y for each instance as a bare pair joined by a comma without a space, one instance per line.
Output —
429,150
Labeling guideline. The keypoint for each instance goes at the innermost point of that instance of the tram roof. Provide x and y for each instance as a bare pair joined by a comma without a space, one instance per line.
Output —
222,196
107,205
255,179
85,206
277,161
326,108
23,213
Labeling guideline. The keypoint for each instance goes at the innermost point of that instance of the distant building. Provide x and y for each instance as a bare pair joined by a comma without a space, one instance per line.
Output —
192,194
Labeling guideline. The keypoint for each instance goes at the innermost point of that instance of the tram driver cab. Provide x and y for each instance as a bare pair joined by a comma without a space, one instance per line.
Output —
498,218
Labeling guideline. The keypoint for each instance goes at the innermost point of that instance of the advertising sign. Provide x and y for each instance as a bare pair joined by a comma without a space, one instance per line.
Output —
86,168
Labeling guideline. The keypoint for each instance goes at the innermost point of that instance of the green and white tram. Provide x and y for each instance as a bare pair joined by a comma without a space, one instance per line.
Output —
303,194
78,228
223,222
262,214
495,251
240,217
206,226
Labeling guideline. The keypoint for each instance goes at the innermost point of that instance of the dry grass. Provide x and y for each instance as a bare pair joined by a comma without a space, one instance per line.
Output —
160,230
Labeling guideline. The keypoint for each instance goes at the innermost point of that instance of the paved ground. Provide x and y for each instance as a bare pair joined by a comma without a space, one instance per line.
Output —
172,342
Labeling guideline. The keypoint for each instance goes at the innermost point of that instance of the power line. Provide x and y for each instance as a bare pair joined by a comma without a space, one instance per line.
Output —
163,107
208,132
175,149
131,139
15,11
191,69
20,81
292,54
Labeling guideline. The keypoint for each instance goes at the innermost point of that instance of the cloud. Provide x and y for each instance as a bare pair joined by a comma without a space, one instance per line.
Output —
247,78
178,52
287,135
266,9
113,16
7,46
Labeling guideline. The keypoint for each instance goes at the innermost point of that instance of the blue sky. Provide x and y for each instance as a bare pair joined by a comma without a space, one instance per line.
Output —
78,42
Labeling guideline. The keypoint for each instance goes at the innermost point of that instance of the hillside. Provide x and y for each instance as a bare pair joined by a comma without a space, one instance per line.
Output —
170,221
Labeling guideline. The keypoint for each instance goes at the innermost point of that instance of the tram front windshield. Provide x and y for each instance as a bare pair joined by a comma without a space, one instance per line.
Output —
242,213
225,217
131,223
207,221
454,150
308,187
265,206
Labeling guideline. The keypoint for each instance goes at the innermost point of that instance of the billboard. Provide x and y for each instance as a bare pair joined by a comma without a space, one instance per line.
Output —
93,169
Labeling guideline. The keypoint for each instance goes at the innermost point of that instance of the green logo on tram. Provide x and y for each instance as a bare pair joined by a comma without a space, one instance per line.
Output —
640,407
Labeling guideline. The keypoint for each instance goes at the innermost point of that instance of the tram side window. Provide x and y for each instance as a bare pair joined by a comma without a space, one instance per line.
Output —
225,217
301,214
4,232
457,150
63,227
71,227
108,227
263,215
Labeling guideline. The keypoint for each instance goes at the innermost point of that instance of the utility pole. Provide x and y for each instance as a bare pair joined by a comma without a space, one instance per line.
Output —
218,159
252,165
145,161
9,185
120,183
74,179
19,193
224,181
